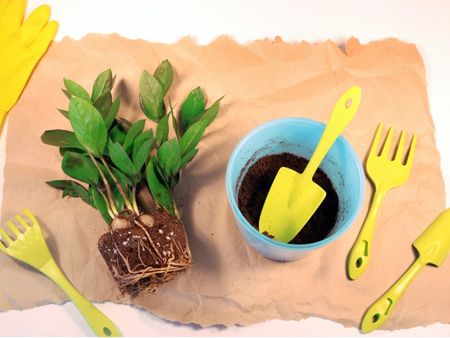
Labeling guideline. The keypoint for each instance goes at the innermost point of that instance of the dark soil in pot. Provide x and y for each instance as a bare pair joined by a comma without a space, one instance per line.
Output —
144,251
256,185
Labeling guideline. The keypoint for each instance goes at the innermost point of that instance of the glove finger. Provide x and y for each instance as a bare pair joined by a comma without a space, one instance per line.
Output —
43,39
12,16
33,24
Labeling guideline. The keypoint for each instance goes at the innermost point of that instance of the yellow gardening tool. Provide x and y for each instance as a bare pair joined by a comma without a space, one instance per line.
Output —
385,173
28,245
21,47
293,197
432,246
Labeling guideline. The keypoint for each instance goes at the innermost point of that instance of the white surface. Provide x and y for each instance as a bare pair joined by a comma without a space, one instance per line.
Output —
425,23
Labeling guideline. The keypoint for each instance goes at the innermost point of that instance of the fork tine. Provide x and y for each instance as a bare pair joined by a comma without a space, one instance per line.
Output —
400,147
13,228
412,148
387,143
22,221
376,140
4,236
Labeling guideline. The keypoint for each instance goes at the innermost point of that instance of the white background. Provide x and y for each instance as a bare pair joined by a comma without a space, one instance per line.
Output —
424,23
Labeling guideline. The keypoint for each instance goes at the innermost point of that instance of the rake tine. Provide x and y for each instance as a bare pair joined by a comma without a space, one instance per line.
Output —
412,148
400,147
376,141
13,228
22,221
30,215
387,143
4,236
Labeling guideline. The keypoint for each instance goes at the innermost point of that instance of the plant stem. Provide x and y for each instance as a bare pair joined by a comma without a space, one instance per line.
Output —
110,212
119,186
175,208
109,193
133,199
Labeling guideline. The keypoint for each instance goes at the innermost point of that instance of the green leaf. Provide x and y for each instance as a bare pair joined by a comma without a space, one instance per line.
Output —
151,96
117,134
100,204
169,158
162,130
142,154
118,198
71,188
140,140
175,125
88,126
80,167
103,104
123,179
164,74
188,157
121,160
61,138
210,114
103,84
65,113
193,106
74,89
124,123
158,189
133,132
110,117
191,137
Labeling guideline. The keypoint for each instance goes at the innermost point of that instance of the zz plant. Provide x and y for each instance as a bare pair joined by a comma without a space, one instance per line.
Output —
109,157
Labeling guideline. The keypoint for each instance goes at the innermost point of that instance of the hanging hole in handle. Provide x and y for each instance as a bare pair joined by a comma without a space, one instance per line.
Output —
359,262
348,103
375,318
107,331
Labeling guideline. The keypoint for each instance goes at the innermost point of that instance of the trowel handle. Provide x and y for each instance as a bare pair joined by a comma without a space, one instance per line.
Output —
379,311
359,256
343,112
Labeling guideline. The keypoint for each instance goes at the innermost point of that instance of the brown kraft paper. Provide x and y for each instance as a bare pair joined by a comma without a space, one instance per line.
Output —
229,283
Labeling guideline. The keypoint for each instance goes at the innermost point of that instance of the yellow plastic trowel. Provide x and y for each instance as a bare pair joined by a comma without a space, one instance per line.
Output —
293,197
432,246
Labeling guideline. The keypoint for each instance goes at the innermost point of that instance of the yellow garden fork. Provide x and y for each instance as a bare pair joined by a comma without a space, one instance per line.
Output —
385,173
29,246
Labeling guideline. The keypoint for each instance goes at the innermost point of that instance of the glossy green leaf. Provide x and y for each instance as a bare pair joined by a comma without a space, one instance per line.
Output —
117,134
158,189
140,140
103,104
88,126
169,158
132,133
71,188
61,138
188,157
162,130
193,106
110,117
80,167
103,84
121,160
164,74
210,114
64,113
191,137
100,203
151,96
74,89
142,155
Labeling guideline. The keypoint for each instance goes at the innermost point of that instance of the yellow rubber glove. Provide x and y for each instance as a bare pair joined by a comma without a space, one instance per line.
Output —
22,44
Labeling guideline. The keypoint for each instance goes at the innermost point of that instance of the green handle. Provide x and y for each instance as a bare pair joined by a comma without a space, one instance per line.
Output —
358,258
99,323
343,112
379,311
